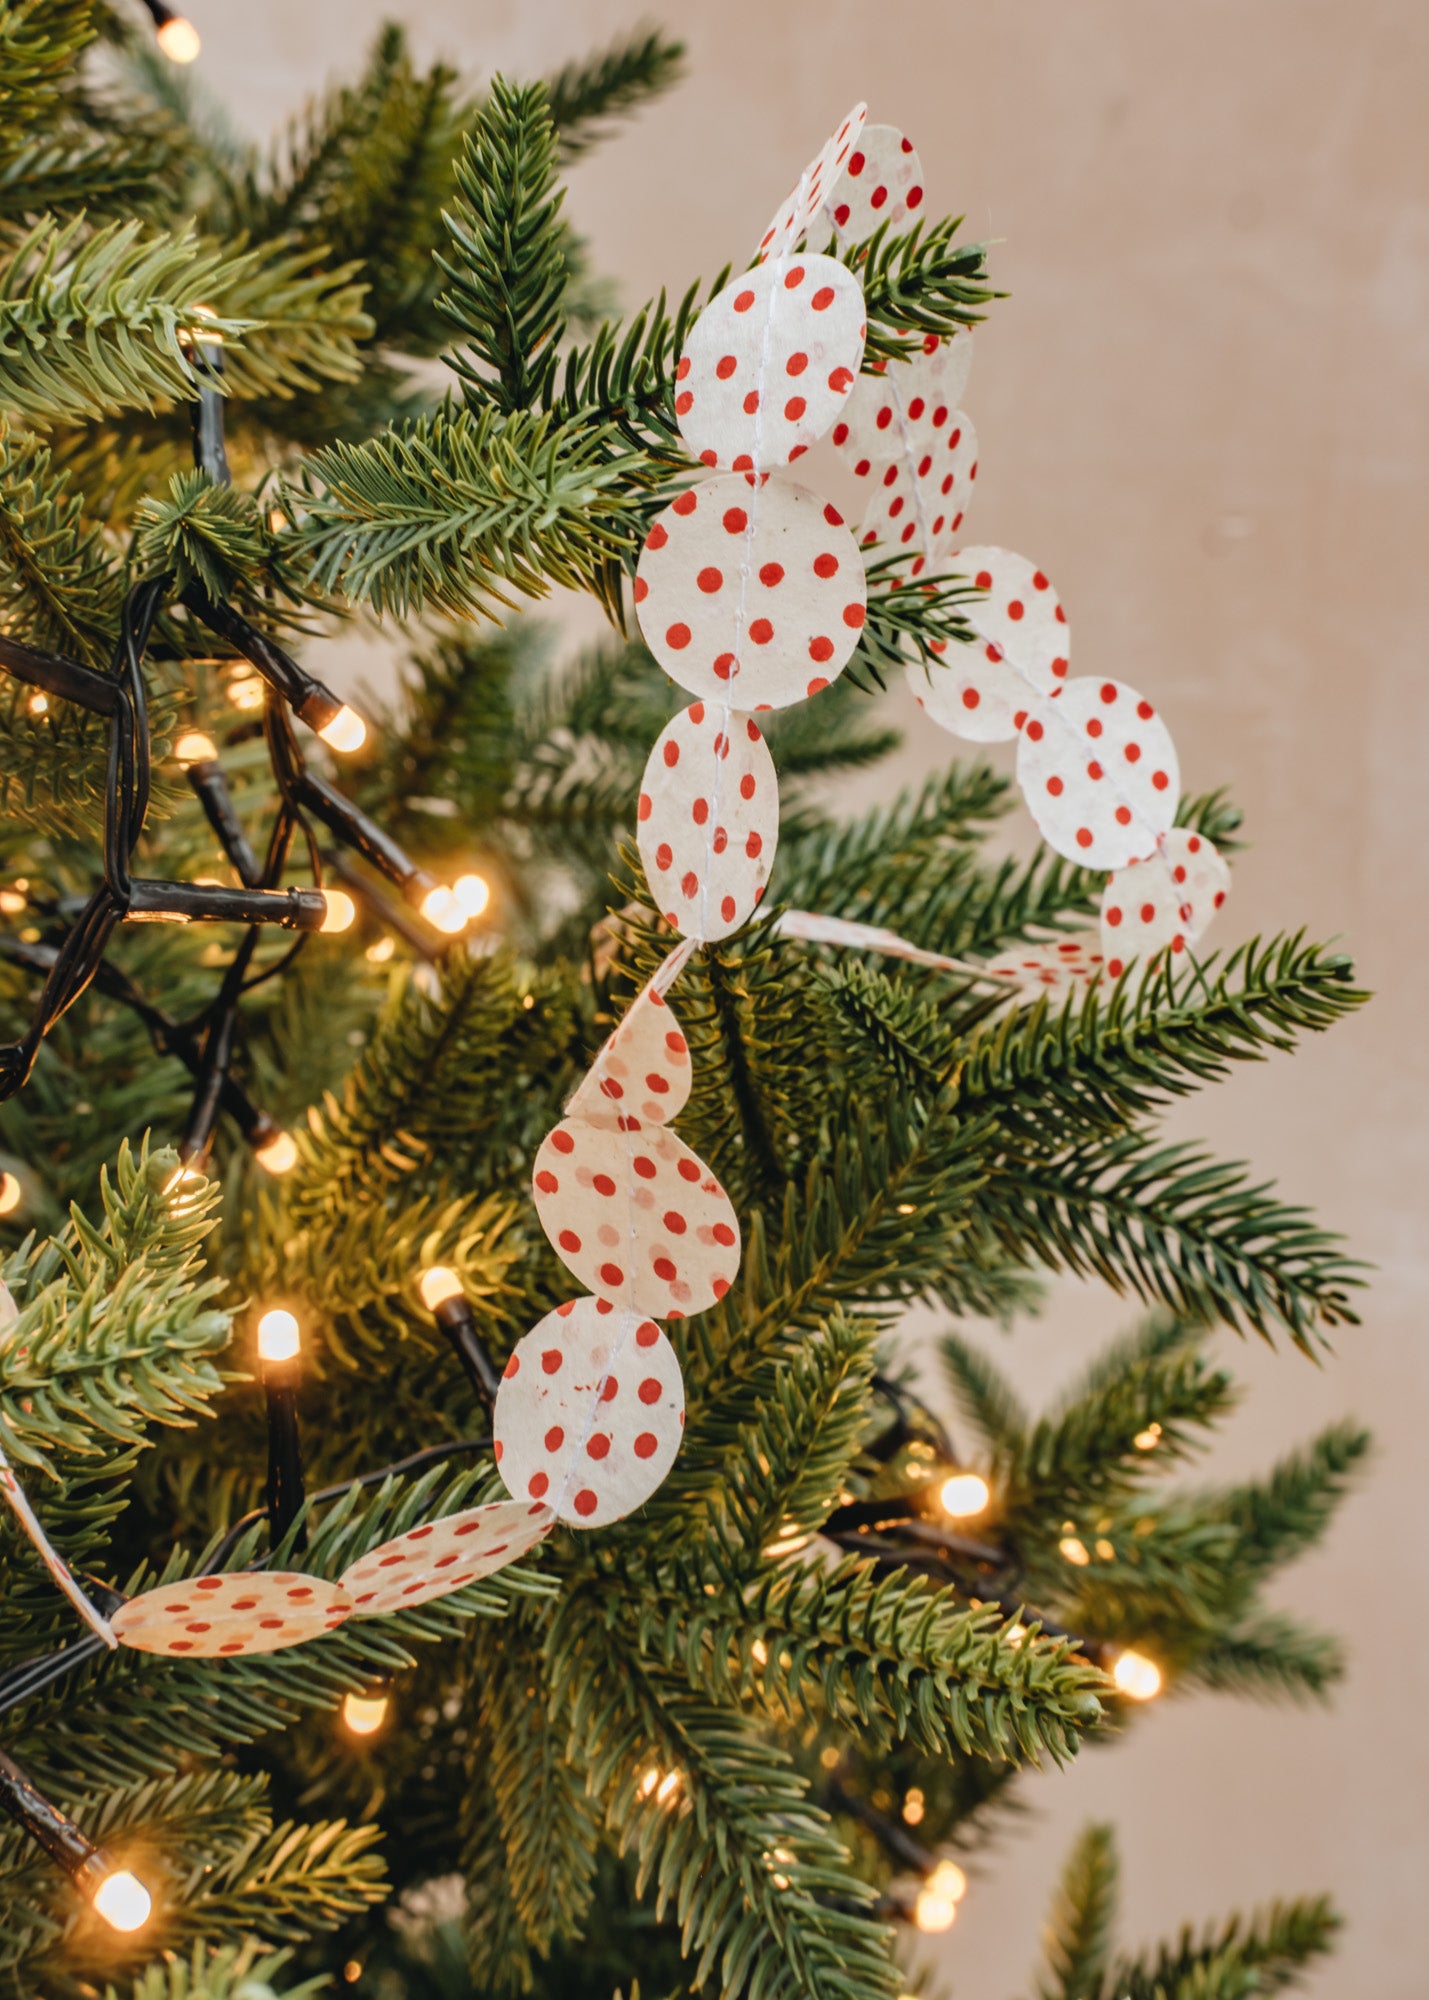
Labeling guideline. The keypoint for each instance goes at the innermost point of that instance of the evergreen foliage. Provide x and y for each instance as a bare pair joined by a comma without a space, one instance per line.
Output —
668,1749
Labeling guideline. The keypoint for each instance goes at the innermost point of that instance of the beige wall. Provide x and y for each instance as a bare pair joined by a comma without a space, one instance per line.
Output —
1203,410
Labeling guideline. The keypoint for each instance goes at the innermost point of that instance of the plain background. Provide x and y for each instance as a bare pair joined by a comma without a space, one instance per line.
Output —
1203,412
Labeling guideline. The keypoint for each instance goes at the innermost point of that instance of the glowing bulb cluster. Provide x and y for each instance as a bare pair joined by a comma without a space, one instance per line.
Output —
1136,1676
964,1495
279,1336
442,910
279,1155
123,1901
936,1907
364,1714
340,911
195,746
10,1192
347,731
663,1785
437,1285
179,39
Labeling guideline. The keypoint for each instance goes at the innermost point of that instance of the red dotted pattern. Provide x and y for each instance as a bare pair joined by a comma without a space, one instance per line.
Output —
1022,648
212,1617
903,409
919,502
589,1413
1163,902
1098,770
801,205
1052,970
442,1556
751,590
769,364
881,182
708,820
643,1072
636,1216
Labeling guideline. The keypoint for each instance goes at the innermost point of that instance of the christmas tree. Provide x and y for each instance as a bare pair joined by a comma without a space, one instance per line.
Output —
287,1023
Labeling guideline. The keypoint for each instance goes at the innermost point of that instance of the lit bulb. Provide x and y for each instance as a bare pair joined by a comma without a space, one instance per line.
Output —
245,690
123,1901
1074,1550
39,704
182,1179
340,910
279,1155
381,951
364,1714
438,1285
472,894
1148,1439
442,910
1138,1678
206,335
179,39
11,902
279,1336
937,1906
194,747
9,1193
914,1807
964,1495
346,731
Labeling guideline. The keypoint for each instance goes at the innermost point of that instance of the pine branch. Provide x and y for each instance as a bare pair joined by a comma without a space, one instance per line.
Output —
229,1972
1077,1941
60,587
586,97
1279,1517
1274,1945
919,283
984,1395
1271,1658
40,42
507,264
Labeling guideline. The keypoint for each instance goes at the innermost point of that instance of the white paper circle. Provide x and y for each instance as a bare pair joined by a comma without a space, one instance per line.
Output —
636,1216
442,1556
1166,900
905,407
1098,770
881,182
978,690
240,1611
918,505
751,590
1035,971
643,1071
769,363
589,1413
801,205
708,820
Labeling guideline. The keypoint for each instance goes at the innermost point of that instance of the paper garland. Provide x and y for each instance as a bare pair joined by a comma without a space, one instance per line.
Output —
441,1556
801,206
708,820
238,1611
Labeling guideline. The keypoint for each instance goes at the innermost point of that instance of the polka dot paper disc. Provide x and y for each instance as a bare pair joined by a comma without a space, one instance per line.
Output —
1167,899
920,504
751,591
239,1612
643,1072
1050,969
801,205
769,363
442,1556
979,690
708,820
589,1413
906,407
1098,770
636,1216
881,182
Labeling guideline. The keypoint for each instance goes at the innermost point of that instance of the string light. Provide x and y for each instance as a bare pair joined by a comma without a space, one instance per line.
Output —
340,911
39,704
472,893
115,1894
936,1907
1073,1550
123,1901
663,1785
280,1338
1148,1439
345,732
437,1285
442,1294
245,690
177,36
10,1192
278,1156
195,747
964,1495
1136,1676
381,951
11,902
442,910
913,1807
364,1714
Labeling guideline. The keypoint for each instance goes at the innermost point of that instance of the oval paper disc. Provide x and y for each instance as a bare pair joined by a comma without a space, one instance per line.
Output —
589,1413
1022,648
905,407
1167,899
1098,770
240,1611
920,505
751,591
643,1072
800,206
442,1556
882,181
636,1216
708,820
769,363
1035,971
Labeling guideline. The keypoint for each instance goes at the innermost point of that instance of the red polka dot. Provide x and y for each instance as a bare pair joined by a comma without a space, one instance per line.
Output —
646,1445
684,403
743,301
735,520
816,685
585,1501
677,636
832,515
672,753
687,501
1160,780
746,785
853,616
513,1367
1145,710
1084,836
754,846
823,298
761,631
709,580
971,697
1108,691
641,589
1148,913
645,1167
598,1445
538,1485
1054,786
688,1170
664,855
547,1182
551,1361
646,805
689,884
609,1389
1123,815
796,364
700,811
555,1438
725,367
663,1268
771,574
826,565
649,1390
795,408
724,665
751,402
647,1333
1112,917
603,1184
675,1222
840,379
1132,752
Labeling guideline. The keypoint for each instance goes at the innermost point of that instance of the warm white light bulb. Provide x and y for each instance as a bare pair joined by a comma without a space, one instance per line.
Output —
9,1193
964,1495
346,731
279,1155
39,704
179,39
442,910
472,894
195,747
123,1901
1138,1678
437,1285
279,1336
364,1714
340,910
11,902
245,690
381,951
936,1907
